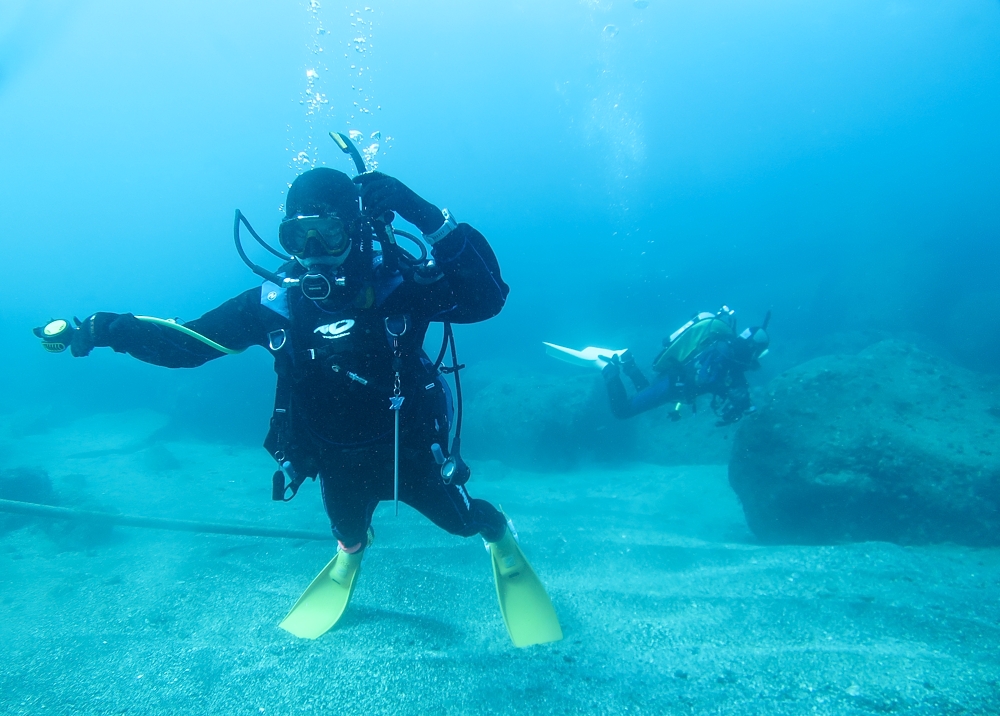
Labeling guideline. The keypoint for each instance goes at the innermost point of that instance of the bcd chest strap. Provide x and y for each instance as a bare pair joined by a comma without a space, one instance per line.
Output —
294,464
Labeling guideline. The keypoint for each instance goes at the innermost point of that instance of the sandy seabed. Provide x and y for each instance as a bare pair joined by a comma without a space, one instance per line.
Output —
667,604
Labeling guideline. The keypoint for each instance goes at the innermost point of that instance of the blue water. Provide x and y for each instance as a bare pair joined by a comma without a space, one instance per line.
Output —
836,162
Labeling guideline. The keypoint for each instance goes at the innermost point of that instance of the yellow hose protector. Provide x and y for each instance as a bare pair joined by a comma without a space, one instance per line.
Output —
188,332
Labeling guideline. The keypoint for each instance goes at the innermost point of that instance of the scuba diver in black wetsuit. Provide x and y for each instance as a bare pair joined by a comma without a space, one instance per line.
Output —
704,357
359,404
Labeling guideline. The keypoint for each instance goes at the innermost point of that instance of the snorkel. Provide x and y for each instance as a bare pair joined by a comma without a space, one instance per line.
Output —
385,233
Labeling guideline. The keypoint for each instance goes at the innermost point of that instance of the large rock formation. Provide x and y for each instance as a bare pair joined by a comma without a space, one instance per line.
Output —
889,444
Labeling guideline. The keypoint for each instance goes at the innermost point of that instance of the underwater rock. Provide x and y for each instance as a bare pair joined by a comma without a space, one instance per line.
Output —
889,444
24,484
158,458
558,421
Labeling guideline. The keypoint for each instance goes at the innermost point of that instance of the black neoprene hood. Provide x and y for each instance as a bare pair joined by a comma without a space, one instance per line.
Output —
321,189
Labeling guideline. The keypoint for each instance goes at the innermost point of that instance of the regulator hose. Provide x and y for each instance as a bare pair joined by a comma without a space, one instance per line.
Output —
157,523
168,323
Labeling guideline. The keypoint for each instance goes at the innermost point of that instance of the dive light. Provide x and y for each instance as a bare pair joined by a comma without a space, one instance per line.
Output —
56,335
453,468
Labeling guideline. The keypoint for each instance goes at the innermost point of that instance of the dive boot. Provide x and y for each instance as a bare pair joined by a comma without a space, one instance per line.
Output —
526,608
325,600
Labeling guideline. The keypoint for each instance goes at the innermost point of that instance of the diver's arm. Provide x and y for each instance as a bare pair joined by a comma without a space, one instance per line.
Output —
472,289
237,324
640,381
736,400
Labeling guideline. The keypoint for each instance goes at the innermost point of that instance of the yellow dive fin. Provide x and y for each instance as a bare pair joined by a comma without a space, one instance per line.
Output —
325,600
526,608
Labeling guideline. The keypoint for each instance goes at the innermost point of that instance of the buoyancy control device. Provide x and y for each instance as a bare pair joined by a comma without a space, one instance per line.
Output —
419,268
693,337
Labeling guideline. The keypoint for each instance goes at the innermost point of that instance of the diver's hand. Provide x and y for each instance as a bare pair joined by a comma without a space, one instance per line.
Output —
91,333
381,193
734,411
732,418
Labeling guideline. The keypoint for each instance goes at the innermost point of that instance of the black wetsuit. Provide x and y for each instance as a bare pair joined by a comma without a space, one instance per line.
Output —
717,370
336,360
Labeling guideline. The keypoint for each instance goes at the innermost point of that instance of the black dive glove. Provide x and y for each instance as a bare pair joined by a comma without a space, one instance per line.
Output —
92,332
381,193
731,408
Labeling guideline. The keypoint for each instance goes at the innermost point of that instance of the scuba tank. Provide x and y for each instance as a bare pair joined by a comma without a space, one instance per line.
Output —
694,336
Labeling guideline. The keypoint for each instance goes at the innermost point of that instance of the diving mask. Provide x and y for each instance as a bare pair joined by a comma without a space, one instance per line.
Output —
296,233
757,341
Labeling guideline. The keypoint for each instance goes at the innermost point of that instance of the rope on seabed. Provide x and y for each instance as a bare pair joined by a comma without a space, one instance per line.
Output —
157,523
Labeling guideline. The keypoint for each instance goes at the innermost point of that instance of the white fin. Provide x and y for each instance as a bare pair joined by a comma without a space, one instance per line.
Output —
589,357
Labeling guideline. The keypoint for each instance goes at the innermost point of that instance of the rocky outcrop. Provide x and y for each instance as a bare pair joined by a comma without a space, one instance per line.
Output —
890,444
24,484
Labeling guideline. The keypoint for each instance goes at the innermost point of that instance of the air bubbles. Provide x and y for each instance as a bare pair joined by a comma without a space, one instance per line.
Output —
348,82
609,31
369,154
313,101
640,4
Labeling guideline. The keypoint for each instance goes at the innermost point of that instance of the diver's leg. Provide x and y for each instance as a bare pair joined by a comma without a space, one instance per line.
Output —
450,507
348,484
633,372
655,394
617,396
524,604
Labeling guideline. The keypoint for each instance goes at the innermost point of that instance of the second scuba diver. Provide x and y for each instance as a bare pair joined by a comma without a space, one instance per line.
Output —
359,405
705,356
